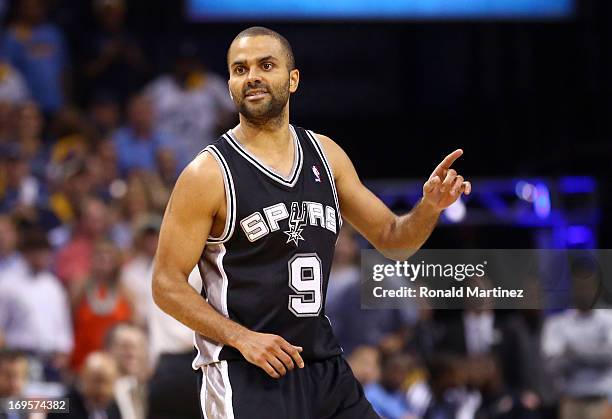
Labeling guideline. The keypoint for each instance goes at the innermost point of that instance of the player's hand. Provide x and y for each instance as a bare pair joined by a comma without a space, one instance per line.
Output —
445,185
271,353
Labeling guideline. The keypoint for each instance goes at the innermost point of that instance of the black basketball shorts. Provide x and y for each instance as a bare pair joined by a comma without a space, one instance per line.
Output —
321,390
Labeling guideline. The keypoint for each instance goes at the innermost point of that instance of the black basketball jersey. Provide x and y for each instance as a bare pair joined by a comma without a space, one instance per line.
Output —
269,269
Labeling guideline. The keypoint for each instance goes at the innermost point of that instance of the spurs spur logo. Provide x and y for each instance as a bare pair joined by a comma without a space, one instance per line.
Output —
297,222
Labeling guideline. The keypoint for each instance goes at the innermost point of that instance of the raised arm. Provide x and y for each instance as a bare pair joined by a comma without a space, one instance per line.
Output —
196,200
396,237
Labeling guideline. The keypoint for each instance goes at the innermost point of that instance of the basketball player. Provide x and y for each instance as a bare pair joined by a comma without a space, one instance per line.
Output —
259,211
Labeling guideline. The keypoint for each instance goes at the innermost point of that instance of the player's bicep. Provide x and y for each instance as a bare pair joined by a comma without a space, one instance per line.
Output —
188,218
359,206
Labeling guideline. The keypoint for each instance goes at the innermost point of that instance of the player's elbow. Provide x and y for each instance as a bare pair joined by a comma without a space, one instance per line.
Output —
159,287
397,254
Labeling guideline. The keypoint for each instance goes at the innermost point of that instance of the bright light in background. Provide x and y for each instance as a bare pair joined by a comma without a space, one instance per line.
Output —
373,9
525,191
542,200
456,212
579,235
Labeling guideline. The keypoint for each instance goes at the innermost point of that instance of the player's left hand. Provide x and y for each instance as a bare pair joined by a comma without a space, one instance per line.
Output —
445,185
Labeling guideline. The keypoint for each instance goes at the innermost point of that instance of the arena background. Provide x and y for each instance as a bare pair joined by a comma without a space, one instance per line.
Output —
528,98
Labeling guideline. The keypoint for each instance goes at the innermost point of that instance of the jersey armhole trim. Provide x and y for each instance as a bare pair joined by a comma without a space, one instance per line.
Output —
230,197
328,169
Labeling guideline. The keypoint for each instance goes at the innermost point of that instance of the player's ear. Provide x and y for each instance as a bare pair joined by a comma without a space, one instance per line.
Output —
294,80
230,90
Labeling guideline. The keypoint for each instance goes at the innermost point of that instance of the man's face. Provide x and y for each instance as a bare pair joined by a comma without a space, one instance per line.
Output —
140,112
98,385
129,350
13,377
94,221
8,236
105,262
39,259
260,81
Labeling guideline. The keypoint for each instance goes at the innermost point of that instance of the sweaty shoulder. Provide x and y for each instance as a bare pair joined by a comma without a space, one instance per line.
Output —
201,183
336,156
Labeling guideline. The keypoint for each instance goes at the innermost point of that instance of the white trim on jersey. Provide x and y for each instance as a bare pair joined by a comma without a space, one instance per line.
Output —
216,392
230,197
328,169
214,283
203,396
298,159
228,390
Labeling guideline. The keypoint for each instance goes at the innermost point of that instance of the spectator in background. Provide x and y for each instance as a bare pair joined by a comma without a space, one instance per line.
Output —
466,332
388,397
171,394
30,138
11,261
103,167
99,304
104,113
447,381
353,326
145,195
115,60
473,331
191,104
13,87
577,345
38,50
34,308
74,259
72,136
128,345
13,374
138,142
136,274
20,191
93,396
168,167
519,352
365,363
345,270
8,125
498,401
23,143
71,184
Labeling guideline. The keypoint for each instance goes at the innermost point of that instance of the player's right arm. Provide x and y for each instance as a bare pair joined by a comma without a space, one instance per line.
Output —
197,198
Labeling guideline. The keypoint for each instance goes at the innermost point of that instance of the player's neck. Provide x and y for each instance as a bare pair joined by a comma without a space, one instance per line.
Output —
273,134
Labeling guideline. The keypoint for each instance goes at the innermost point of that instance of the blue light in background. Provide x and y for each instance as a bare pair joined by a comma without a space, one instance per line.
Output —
525,190
579,235
372,9
577,184
541,202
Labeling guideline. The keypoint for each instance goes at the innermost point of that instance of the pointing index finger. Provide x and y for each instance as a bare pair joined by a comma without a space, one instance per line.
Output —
450,159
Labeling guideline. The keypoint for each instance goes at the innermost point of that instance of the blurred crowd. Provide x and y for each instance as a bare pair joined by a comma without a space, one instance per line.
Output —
92,139
477,363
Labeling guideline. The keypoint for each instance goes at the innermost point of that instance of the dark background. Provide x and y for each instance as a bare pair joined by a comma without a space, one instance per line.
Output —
522,98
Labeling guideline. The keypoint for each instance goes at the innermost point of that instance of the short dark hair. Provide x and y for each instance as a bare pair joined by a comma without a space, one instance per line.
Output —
33,239
262,31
